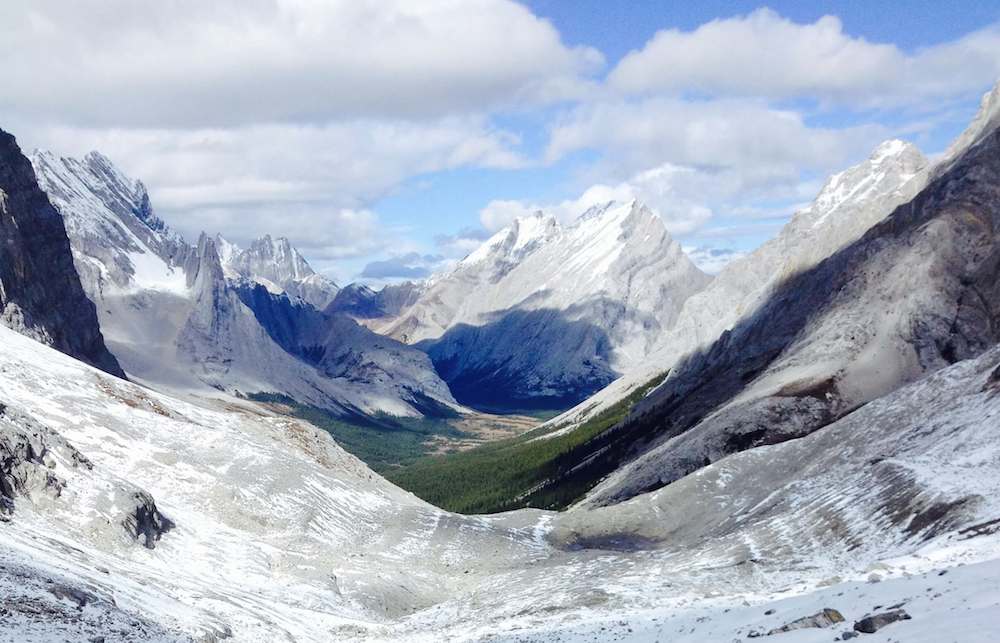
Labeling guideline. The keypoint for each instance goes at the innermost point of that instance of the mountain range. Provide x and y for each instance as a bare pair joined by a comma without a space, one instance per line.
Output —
210,318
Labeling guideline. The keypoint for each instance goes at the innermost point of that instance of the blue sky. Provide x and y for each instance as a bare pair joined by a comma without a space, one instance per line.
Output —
397,135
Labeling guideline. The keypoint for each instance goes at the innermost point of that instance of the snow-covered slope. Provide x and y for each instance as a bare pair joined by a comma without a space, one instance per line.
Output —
276,533
278,266
175,321
849,204
541,311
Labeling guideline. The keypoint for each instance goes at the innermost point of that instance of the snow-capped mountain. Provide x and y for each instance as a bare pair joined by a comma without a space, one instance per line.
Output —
848,205
278,266
544,313
40,293
175,320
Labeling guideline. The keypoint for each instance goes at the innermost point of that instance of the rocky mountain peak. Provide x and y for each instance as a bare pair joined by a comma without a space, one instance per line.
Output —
891,165
278,266
205,266
986,120
514,242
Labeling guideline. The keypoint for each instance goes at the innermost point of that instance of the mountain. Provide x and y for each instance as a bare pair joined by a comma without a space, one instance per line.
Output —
176,321
848,205
278,266
917,292
543,314
40,292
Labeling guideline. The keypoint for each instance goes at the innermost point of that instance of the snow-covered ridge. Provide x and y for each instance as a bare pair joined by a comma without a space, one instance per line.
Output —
119,243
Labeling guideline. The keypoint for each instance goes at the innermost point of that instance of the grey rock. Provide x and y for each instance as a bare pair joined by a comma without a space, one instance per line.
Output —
177,315
875,622
824,618
280,267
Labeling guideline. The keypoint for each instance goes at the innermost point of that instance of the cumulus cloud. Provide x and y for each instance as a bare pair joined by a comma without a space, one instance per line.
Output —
765,55
190,63
706,133
458,245
412,265
713,260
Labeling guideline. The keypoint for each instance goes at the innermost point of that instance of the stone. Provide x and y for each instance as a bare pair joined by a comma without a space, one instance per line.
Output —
875,622
824,618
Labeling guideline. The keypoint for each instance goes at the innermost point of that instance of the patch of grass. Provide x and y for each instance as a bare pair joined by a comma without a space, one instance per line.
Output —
513,473
384,442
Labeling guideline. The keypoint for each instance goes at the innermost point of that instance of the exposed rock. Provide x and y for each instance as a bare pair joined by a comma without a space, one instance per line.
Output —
40,291
28,465
875,622
366,305
146,523
825,618
26,459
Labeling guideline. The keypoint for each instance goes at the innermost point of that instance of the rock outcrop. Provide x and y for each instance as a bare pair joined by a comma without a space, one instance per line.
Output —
40,291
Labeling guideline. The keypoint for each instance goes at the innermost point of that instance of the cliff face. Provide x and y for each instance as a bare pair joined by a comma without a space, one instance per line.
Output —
40,291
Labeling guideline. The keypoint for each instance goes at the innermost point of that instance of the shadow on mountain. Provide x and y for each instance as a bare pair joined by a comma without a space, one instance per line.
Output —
523,360
943,307
336,346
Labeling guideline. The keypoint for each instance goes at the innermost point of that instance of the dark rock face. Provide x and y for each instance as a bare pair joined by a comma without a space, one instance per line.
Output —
875,622
518,360
146,523
40,291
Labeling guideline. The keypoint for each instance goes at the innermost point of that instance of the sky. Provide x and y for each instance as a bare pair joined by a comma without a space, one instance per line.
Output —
388,138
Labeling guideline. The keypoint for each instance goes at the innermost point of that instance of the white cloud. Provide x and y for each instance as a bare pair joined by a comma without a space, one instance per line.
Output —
458,245
409,266
714,133
191,63
713,260
765,55
309,183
